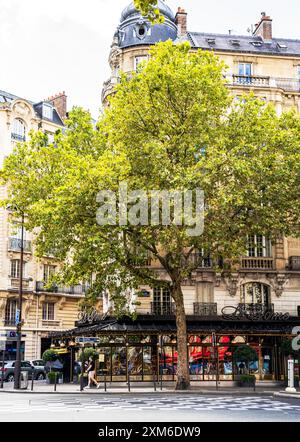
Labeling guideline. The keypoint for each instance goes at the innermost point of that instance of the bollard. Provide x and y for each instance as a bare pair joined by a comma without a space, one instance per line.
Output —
161,381
32,381
55,381
129,382
105,386
2,368
154,380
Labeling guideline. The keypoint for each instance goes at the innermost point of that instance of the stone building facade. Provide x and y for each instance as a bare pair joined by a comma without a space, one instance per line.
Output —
44,310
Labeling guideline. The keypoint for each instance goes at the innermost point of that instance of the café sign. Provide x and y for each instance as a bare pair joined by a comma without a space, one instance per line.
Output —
239,312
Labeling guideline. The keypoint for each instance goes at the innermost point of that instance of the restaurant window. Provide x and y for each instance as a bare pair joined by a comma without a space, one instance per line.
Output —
48,311
258,246
255,293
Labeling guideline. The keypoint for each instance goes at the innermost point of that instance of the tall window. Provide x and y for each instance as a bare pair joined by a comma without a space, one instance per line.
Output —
10,311
245,73
18,130
162,301
49,271
15,266
258,246
255,293
48,311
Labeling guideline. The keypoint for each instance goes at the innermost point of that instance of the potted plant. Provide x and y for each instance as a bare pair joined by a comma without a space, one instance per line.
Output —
51,377
49,356
243,355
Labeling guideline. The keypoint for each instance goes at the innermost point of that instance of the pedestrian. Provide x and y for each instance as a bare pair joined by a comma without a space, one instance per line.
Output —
91,370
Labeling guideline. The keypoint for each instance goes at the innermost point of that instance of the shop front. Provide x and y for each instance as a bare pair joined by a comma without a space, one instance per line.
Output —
144,350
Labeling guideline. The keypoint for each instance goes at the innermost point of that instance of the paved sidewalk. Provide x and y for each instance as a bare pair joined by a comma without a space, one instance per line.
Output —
43,388
285,394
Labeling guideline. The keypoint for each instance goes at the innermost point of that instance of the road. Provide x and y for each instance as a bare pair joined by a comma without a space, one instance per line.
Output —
146,408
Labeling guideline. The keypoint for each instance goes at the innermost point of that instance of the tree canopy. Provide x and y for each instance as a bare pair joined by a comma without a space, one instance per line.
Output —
173,125
148,9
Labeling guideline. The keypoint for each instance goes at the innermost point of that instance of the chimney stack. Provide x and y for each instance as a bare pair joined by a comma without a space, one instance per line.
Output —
263,29
59,101
181,22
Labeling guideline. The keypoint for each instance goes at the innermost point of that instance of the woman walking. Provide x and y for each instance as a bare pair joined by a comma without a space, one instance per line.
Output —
91,370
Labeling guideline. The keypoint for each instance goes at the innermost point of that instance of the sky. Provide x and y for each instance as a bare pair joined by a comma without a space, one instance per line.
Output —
49,46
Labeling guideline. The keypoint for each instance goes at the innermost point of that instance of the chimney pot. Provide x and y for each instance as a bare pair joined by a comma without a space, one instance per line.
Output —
263,29
181,21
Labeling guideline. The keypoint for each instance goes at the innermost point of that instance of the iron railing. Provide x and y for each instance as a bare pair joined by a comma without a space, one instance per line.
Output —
67,290
14,244
205,309
162,308
256,309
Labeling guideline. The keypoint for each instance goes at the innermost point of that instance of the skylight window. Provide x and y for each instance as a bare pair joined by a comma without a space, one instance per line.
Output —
235,42
211,41
282,46
257,44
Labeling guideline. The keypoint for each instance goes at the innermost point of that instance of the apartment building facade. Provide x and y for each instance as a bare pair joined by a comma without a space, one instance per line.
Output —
44,309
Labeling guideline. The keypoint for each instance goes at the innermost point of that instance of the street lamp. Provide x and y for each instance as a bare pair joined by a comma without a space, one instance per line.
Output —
17,371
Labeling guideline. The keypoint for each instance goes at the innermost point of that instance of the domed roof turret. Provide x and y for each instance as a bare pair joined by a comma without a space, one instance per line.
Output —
134,29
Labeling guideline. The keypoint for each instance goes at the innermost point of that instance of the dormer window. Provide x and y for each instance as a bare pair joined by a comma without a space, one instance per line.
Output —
256,44
141,30
211,41
282,46
47,111
235,42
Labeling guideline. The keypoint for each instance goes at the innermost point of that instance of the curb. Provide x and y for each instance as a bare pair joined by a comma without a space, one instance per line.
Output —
145,393
287,395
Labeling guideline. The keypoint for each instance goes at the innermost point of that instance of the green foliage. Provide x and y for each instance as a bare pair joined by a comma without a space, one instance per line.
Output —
245,353
52,375
247,379
88,353
148,9
49,356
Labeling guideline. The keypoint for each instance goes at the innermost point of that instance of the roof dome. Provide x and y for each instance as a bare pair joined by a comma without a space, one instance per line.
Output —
161,5
135,30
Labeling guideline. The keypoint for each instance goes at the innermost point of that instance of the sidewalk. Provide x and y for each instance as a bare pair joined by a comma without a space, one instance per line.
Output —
285,394
43,388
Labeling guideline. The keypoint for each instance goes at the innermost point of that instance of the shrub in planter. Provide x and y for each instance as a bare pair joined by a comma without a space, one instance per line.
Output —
51,377
49,356
247,380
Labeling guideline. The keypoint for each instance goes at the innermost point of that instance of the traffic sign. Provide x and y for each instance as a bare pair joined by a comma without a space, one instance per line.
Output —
17,321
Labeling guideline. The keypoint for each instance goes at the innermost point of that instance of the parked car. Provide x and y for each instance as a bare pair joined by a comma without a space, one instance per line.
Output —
39,366
8,371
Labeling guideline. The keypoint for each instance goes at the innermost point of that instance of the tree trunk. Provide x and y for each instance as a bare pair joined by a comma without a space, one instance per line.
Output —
183,373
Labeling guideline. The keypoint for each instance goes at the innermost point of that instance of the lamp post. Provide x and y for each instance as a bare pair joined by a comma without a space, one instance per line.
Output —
17,371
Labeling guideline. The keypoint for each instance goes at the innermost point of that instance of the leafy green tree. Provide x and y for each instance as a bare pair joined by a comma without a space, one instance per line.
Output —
171,126
245,354
148,9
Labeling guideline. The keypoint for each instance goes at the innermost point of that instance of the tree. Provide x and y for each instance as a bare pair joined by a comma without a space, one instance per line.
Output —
245,354
171,126
148,9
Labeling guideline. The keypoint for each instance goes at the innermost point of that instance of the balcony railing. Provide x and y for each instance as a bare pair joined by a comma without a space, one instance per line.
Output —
250,80
18,137
9,322
198,260
256,309
287,84
67,290
294,262
205,309
14,244
257,264
162,309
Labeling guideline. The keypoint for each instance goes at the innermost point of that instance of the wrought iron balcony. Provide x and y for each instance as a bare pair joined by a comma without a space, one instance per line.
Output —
257,263
14,244
294,262
256,309
205,309
287,84
67,290
162,309
18,137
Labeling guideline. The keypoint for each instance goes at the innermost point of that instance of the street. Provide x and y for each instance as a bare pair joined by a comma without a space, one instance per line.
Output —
146,408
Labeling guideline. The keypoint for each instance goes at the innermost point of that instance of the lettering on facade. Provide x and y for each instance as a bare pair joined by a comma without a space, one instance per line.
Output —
256,314
89,316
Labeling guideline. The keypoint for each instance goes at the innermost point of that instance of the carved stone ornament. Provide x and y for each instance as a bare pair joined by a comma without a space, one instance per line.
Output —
232,281
278,282
21,109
